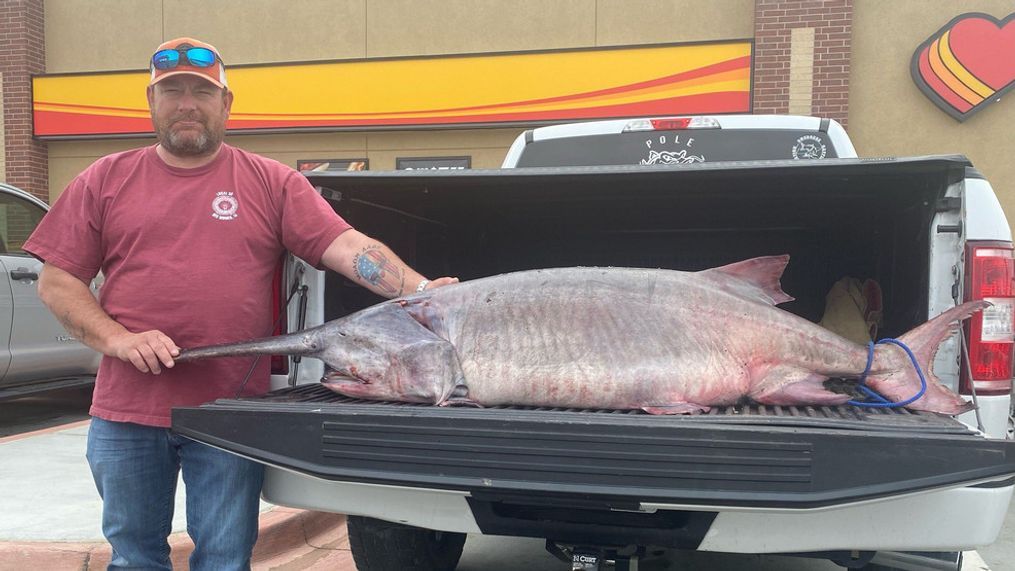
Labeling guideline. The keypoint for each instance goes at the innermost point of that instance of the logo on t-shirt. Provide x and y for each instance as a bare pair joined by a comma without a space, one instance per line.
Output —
224,206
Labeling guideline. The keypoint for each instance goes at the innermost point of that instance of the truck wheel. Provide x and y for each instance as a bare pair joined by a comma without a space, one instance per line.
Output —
384,546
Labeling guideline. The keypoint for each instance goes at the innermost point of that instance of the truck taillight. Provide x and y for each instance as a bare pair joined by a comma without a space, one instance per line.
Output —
667,124
279,363
671,124
990,276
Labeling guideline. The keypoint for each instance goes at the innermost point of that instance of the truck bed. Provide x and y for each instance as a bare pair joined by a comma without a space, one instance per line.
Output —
744,456
740,478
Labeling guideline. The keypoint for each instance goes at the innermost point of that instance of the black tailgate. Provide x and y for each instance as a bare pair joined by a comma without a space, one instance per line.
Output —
795,457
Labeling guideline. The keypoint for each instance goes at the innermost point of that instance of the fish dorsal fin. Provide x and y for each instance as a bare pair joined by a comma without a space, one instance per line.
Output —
755,279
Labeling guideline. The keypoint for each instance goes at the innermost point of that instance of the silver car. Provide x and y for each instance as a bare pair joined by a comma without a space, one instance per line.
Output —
36,352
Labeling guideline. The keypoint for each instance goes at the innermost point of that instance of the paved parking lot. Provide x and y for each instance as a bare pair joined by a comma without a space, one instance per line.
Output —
44,410
481,553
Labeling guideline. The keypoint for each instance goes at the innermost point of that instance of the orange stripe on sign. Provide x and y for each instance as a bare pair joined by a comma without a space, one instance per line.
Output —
55,123
93,110
726,102
693,77
588,84
727,81
730,102
959,70
938,86
949,79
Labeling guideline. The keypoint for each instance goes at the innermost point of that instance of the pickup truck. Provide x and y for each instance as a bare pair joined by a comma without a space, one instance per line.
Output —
871,488
36,352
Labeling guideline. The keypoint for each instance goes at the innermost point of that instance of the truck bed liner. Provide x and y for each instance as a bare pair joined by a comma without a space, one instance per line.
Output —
749,456
839,417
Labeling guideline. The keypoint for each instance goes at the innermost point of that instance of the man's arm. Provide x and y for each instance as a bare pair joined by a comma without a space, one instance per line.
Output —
73,304
373,265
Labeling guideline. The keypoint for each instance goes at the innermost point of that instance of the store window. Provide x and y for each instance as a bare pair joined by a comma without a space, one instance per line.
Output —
322,165
18,219
433,163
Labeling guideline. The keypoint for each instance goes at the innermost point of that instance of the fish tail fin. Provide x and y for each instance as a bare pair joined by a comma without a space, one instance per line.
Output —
924,341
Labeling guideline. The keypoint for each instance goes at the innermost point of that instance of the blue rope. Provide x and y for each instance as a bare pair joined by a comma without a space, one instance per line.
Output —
882,402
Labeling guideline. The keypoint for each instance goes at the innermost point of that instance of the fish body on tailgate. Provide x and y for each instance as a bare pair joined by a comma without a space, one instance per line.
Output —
618,338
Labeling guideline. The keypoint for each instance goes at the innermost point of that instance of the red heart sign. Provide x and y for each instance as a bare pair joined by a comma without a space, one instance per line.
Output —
968,64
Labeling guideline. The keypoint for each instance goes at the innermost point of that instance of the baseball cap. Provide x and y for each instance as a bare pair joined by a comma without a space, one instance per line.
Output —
187,56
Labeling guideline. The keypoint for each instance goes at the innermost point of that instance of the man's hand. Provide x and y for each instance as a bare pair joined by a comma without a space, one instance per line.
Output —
70,300
441,282
147,351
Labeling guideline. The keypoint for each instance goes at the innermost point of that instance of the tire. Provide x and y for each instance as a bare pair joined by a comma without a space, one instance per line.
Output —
385,546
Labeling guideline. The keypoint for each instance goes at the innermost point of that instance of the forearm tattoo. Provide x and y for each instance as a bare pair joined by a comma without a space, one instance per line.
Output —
373,267
75,329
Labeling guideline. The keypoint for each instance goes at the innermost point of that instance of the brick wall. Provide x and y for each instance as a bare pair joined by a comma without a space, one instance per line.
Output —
22,53
785,61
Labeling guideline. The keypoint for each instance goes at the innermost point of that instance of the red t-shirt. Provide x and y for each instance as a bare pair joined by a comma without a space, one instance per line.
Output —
190,252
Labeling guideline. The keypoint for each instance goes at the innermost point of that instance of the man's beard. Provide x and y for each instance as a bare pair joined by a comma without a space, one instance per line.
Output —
188,143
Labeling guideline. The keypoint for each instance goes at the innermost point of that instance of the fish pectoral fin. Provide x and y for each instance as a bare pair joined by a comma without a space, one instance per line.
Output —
676,408
461,401
789,386
339,378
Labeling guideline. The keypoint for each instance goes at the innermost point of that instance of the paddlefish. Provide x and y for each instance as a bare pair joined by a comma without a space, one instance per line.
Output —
664,341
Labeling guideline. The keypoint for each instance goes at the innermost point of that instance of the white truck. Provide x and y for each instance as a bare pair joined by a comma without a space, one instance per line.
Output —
866,488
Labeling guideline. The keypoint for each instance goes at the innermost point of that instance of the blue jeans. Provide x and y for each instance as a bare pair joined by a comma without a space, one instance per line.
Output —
135,469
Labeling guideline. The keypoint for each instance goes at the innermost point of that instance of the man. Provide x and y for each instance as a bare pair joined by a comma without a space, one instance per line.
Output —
188,234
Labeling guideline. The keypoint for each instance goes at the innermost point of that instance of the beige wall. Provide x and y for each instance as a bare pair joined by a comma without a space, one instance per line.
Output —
485,146
265,31
68,158
889,115
103,35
